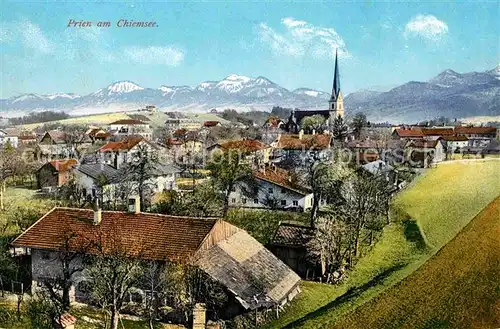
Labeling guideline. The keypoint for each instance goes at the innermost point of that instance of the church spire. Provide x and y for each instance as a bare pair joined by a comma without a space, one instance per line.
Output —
336,79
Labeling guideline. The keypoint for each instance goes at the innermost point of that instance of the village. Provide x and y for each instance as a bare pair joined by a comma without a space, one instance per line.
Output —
206,223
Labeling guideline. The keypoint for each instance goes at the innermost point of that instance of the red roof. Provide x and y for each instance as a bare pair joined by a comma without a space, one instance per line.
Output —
63,165
476,130
280,177
27,137
210,123
247,145
413,132
438,131
143,235
128,122
123,145
308,142
98,133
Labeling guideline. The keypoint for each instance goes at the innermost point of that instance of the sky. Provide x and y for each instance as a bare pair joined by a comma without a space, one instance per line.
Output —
380,44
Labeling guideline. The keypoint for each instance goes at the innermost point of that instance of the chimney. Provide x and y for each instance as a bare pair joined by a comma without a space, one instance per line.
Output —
134,204
301,133
97,213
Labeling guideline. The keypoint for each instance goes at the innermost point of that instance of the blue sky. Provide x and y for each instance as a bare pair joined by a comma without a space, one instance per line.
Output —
291,43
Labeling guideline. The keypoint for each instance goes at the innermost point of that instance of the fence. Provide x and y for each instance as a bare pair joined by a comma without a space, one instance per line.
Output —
12,286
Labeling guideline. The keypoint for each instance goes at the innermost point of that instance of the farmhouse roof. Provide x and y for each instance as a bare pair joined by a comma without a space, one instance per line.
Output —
59,137
423,144
63,165
475,130
247,145
251,272
455,138
408,133
124,145
210,123
292,235
281,177
144,235
307,142
437,131
96,170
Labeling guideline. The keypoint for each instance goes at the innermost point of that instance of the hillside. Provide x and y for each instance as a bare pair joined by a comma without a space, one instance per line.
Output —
449,94
459,287
426,216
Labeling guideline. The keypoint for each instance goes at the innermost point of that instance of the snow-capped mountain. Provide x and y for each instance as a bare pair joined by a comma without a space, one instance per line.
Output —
312,93
448,94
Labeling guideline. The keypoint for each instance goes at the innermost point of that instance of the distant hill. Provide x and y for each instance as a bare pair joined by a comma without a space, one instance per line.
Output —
449,94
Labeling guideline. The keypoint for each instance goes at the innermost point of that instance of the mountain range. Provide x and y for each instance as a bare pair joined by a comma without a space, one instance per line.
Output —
449,94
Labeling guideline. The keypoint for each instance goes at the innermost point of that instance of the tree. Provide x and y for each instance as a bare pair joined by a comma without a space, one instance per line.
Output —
70,259
365,201
227,170
325,179
313,122
110,277
153,282
358,123
141,171
328,244
8,162
339,129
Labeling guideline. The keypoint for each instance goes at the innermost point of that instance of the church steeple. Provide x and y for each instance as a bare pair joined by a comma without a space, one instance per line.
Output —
336,103
336,79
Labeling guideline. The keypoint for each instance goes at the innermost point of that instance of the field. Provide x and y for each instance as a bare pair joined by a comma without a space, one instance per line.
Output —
425,217
97,120
459,287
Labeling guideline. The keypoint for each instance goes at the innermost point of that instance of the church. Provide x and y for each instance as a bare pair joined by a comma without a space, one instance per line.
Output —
335,106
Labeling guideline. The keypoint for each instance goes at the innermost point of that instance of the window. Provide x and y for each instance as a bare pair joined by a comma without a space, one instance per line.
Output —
270,190
256,201
243,200
233,189
283,202
295,203
45,255
233,200
283,191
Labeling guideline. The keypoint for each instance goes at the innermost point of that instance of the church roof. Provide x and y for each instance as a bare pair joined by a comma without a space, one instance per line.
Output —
336,80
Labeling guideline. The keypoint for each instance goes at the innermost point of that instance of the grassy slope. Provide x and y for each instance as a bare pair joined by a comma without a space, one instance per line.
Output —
398,253
97,119
459,287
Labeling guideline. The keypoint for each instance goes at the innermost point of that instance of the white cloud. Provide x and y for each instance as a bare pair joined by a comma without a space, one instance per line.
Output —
301,38
166,55
33,38
426,26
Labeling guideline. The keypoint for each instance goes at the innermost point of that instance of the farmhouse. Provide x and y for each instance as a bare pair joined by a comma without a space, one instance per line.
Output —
423,151
118,153
277,189
130,127
55,173
229,255
9,136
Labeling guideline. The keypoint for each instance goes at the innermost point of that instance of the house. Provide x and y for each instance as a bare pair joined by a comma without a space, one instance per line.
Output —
130,127
303,147
27,139
477,136
116,154
408,133
420,152
92,177
182,123
251,274
251,148
55,173
53,137
9,137
381,168
97,135
455,143
289,244
277,189
53,145
434,133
